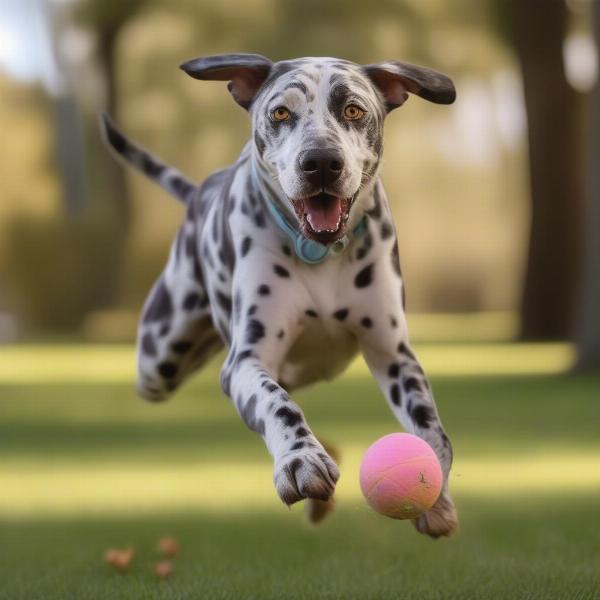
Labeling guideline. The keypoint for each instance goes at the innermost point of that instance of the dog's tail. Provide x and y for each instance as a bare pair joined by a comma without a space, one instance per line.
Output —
167,177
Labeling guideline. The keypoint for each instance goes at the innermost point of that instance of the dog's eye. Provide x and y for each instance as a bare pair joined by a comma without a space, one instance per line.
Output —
280,114
352,112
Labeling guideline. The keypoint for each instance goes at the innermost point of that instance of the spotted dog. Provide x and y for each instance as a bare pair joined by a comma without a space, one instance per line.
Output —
289,259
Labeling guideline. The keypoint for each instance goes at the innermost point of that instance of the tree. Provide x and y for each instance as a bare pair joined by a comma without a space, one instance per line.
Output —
106,19
588,330
537,30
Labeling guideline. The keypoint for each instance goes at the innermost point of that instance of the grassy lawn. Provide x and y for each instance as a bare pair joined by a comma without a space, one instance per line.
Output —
85,465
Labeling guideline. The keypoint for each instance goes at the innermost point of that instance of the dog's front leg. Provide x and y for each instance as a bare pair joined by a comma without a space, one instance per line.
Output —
409,395
261,334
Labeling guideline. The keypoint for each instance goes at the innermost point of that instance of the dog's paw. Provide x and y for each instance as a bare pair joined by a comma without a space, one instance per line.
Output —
308,474
440,520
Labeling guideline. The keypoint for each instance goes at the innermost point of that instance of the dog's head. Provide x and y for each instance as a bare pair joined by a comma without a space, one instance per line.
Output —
318,125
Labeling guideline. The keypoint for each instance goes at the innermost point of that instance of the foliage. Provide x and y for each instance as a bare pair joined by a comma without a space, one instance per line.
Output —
52,264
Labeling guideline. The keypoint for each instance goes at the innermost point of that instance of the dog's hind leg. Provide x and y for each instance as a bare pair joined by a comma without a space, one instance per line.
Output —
176,334
316,510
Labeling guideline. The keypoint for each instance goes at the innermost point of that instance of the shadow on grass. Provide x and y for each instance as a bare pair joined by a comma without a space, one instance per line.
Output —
480,413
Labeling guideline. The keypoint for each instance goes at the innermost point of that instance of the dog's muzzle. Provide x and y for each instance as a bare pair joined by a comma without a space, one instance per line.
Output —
323,216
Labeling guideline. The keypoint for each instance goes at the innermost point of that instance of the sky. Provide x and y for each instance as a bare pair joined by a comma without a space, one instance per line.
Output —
25,43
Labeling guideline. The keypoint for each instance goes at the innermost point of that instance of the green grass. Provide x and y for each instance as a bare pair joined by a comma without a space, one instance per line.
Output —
85,465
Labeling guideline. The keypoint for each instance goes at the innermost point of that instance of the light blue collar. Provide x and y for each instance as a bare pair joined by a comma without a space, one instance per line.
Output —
308,250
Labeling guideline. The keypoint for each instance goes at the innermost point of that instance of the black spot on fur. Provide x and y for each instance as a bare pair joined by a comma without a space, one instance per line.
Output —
404,349
161,306
237,305
270,386
394,370
181,347
364,277
246,245
255,331
301,432
341,314
181,187
336,102
393,322
259,219
264,290
248,414
366,246
224,302
422,415
297,446
150,167
395,258
243,355
395,394
311,313
366,322
164,329
167,369
252,310
288,416
412,384
281,271
386,230
148,345
280,334
117,141
191,301
286,250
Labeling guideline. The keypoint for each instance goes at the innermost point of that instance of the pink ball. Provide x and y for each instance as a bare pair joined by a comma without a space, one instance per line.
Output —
400,476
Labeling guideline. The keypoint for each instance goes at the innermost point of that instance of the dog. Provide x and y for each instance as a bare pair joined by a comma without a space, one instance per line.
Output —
289,259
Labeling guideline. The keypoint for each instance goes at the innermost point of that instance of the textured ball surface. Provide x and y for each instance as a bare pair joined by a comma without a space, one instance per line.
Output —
400,476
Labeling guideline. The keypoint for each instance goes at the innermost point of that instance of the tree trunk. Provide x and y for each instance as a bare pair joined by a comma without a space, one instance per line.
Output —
107,38
69,153
588,330
107,178
553,114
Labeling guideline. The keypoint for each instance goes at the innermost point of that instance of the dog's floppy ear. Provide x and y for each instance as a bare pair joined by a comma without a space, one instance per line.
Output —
245,73
394,79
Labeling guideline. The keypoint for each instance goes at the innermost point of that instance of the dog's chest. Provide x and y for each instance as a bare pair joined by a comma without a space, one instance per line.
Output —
324,344
322,350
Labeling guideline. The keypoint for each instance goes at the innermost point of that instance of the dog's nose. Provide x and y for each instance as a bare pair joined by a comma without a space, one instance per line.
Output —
321,166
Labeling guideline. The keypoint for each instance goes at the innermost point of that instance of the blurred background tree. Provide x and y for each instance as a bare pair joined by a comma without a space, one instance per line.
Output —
588,331
555,143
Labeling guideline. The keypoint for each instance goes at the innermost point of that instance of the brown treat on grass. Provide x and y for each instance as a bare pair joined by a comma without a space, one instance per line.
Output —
163,569
120,559
168,546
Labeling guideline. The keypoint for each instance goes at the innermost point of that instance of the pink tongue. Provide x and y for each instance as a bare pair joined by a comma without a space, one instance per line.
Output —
323,214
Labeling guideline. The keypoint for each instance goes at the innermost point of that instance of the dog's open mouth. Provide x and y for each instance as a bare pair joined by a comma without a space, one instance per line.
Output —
323,216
